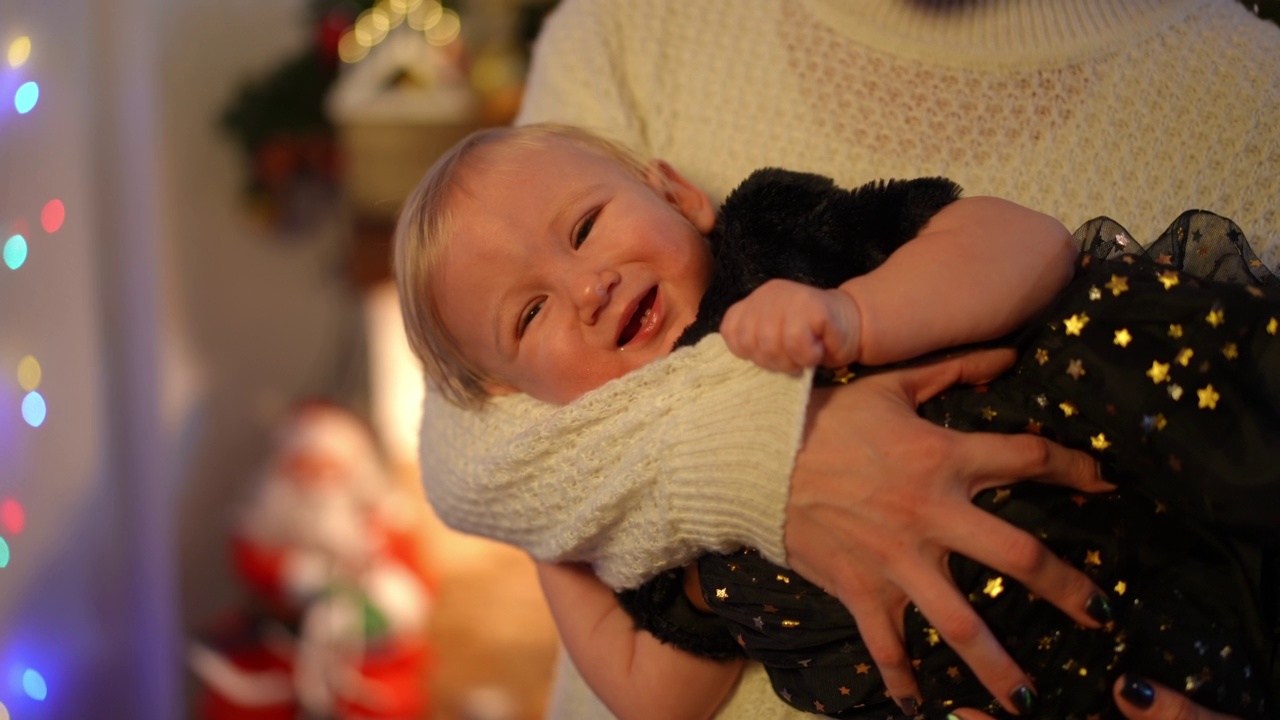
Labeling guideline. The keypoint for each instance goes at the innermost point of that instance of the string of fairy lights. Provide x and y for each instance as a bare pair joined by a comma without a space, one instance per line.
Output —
438,24
22,241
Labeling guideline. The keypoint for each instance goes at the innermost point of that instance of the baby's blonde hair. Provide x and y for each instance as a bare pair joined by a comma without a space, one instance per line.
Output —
422,236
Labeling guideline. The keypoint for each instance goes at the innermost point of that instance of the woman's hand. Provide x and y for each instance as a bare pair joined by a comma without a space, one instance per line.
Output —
1139,699
880,497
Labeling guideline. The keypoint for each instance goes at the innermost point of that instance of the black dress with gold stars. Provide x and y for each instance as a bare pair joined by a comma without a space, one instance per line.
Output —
1162,361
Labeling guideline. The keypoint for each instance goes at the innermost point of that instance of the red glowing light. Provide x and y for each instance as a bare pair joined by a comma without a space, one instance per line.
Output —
52,215
12,517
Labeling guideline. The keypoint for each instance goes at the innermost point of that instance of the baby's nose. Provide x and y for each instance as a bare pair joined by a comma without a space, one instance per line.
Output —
594,292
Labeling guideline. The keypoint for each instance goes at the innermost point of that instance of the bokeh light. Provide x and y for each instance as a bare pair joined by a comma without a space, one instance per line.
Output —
29,373
13,519
34,409
26,97
4,553
52,215
446,29
33,684
15,251
19,51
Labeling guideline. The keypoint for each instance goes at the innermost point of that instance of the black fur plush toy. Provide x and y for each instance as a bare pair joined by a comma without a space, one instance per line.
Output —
803,227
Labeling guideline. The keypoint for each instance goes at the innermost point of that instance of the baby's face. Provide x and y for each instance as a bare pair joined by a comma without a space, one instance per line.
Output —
566,271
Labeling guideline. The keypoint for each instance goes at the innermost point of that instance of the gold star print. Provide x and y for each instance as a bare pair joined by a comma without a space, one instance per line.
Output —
784,579
1118,285
1183,357
1226,652
1001,495
1095,293
1042,356
1230,351
722,593
759,622
1046,642
1076,323
770,609
953,672
1067,409
994,587
1168,278
844,690
1164,259
1093,557
842,375
1208,397
988,413
1272,326
931,635
1154,422
1032,427
786,694
1159,372
1075,368
1099,441
817,706
1123,338
1175,331
1175,391
1121,587
862,668
1215,317
805,663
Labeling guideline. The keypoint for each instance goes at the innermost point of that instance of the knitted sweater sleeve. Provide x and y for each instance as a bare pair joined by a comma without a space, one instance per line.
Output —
688,454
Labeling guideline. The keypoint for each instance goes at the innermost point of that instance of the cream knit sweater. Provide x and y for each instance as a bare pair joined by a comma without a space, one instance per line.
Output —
1137,109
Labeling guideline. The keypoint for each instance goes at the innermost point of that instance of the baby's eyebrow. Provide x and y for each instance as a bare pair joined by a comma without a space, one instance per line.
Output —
571,201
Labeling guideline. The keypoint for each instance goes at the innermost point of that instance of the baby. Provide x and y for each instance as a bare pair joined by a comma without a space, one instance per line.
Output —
548,261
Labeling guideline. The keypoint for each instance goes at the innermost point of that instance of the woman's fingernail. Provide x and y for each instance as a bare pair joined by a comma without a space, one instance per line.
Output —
1138,691
1099,608
910,706
1024,699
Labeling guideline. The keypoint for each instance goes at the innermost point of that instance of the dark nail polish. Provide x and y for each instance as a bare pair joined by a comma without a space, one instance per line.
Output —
1138,691
1099,608
910,706
1024,699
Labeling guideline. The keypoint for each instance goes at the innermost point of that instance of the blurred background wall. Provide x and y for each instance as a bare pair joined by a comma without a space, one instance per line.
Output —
159,321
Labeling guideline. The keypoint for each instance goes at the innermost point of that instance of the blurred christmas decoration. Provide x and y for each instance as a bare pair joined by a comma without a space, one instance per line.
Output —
428,71
339,594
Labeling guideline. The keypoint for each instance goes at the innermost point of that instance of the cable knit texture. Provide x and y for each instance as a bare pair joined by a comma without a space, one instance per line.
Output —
582,482
1137,109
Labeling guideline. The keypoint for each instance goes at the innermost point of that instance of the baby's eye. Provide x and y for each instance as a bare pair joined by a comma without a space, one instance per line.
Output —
526,317
584,229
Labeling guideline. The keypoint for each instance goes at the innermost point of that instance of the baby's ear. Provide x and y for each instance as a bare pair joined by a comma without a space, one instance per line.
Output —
688,198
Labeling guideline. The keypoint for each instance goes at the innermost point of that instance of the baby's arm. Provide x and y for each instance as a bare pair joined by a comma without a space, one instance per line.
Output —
631,671
978,269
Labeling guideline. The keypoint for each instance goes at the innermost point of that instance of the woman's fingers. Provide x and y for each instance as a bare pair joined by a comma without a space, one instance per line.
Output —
960,626
991,460
879,622
1141,699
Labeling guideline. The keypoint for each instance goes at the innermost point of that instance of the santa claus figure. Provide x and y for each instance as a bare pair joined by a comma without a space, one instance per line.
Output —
339,594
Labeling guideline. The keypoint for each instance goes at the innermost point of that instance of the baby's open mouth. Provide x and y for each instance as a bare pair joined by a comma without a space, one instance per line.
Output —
637,321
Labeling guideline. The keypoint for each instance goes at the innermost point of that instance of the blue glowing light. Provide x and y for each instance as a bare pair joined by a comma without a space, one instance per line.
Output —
34,409
4,553
15,251
26,97
33,684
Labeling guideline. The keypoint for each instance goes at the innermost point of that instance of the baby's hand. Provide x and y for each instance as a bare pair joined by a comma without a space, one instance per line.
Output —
787,326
